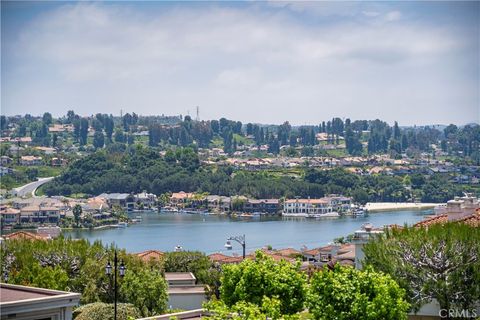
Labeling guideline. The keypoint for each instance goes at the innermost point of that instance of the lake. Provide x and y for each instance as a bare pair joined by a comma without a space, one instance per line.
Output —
208,233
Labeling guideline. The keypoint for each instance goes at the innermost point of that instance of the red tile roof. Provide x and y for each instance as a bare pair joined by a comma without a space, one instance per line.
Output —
24,235
472,220
150,255
443,218
287,252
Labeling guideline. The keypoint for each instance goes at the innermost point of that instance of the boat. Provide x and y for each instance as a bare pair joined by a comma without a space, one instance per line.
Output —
324,215
122,225
246,215
359,212
169,209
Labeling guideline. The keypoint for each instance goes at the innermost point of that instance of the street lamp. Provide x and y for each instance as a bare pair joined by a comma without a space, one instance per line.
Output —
121,270
239,239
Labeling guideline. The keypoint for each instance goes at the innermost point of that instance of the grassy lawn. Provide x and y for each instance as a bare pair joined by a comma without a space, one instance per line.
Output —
217,142
337,153
43,171
240,139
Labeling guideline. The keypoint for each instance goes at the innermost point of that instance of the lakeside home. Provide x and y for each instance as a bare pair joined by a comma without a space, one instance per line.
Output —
314,208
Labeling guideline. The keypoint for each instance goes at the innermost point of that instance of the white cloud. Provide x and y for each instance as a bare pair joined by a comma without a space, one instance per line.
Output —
371,13
246,64
393,16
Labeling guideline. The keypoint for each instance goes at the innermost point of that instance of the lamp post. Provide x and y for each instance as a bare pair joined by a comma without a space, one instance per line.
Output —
239,239
121,270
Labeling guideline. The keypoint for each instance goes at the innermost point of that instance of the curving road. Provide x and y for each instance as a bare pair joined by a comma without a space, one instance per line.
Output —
29,188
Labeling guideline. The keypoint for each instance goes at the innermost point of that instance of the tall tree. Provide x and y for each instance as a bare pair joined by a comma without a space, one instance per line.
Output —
83,131
98,140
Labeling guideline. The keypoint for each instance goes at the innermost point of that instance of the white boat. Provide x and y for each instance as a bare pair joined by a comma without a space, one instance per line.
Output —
324,215
122,225
298,215
359,212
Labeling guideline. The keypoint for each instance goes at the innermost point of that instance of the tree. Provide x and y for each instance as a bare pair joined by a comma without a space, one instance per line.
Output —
440,262
255,281
270,309
348,294
109,125
147,291
104,311
47,118
119,136
83,131
98,139
77,213
32,173
3,122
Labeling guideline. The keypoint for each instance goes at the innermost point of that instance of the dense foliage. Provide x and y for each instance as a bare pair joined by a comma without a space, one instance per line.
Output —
349,294
440,262
254,281
141,168
78,266
104,311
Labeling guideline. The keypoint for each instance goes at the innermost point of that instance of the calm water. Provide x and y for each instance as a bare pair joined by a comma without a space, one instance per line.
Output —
207,233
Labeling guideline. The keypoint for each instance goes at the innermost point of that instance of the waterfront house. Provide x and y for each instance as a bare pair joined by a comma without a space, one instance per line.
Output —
148,200
39,214
179,199
316,207
218,203
271,206
125,201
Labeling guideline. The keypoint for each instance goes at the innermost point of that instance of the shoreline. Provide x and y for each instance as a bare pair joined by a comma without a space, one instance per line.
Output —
398,206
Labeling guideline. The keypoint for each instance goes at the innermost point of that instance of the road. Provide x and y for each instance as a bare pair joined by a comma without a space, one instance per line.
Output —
29,188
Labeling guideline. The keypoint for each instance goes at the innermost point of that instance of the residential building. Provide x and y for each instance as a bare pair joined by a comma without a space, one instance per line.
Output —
39,214
271,206
146,199
361,237
150,255
218,203
21,302
122,200
327,206
31,161
183,293
9,216
58,162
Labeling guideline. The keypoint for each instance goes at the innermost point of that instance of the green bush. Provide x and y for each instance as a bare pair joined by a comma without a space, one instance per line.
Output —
256,281
105,311
349,294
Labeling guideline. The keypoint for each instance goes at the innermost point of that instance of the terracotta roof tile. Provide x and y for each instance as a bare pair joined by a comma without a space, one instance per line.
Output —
24,235
150,255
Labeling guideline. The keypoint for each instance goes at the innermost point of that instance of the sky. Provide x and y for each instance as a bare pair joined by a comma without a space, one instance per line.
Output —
416,63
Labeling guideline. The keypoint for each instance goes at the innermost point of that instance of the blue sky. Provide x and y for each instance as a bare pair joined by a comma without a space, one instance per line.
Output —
415,62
